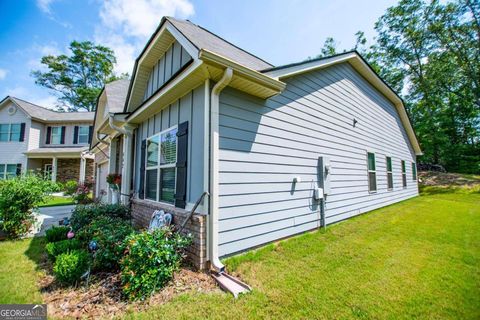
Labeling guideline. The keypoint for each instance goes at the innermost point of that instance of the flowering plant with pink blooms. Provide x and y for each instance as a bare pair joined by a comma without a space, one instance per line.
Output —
81,195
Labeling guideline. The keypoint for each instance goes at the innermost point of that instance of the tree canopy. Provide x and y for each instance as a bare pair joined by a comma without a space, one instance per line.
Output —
78,78
429,52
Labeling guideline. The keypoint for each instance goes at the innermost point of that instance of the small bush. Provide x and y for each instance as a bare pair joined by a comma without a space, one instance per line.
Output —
110,234
150,260
71,187
55,249
70,266
84,215
55,234
18,197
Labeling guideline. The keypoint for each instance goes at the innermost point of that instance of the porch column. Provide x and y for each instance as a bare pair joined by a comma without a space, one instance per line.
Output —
83,163
54,169
112,158
127,168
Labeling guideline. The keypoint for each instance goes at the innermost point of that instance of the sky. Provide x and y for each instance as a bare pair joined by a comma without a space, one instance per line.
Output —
278,31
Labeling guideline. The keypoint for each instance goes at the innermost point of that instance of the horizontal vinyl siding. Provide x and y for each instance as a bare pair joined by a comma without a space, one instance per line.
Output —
11,152
166,67
188,108
265,144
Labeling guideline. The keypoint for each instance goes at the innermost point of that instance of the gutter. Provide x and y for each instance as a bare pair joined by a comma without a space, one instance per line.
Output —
214,169
116,128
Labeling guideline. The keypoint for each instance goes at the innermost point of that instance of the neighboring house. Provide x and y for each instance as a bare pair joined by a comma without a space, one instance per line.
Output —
52,143
281,150
107,143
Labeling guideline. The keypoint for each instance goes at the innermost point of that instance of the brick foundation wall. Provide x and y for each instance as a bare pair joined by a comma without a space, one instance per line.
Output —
197,253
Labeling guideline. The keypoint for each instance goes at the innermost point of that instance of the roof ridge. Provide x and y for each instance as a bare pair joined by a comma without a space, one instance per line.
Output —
221,38
48,109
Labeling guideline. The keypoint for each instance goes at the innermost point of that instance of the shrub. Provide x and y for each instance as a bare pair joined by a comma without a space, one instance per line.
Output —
18,197
55,249
81,195
70,266
55,234
71,187
110,234
150,260
83,215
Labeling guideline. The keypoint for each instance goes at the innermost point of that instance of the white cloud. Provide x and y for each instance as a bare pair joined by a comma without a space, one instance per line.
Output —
44,5
38,51
126,25
3,73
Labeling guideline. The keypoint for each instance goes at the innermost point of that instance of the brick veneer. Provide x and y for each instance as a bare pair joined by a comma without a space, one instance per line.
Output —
197,253
69,169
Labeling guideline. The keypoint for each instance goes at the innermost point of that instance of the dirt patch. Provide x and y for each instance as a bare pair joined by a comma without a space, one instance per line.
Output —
441,179
103,297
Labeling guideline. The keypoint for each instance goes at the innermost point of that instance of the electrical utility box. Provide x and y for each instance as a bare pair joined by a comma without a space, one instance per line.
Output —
324,174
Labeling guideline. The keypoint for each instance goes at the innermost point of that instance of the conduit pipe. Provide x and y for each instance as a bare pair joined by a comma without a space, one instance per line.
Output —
214,168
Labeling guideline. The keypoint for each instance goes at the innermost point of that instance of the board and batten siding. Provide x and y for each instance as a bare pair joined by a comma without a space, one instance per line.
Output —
191,108
265,144
167,66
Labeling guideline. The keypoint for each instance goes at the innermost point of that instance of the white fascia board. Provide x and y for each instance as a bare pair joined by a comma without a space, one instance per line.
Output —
261,78
308,66
196,64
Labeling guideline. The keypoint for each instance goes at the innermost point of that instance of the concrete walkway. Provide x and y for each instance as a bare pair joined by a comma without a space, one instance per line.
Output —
50,216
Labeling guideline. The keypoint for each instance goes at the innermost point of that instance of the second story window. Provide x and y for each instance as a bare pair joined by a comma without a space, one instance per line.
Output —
56,136
83,134
11,132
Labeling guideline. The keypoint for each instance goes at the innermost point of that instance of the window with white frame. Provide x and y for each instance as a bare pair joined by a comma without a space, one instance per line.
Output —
160,173
404,175
8,171
83,134
372,174
56,135
389,174
414,171
10,132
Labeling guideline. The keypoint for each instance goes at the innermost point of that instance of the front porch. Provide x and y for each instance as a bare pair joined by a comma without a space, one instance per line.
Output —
62,164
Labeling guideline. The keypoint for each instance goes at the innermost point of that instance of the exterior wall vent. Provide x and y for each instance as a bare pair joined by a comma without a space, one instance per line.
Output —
11,110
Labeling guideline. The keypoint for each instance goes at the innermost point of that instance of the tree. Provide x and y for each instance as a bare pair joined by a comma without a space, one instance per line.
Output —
77,79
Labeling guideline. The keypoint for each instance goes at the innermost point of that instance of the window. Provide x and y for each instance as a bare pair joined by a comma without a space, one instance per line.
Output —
372,178
404,175
414,171
56,136
161,158
8,171
389,174
10,132
83,134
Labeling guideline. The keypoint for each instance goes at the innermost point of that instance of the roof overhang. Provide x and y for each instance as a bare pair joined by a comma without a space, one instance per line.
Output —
362,67
54,153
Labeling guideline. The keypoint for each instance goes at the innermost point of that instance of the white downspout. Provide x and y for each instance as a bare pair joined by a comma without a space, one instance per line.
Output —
214,169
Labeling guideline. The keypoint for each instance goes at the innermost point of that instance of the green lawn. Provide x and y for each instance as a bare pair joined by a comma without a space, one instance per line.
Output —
416,259
58,201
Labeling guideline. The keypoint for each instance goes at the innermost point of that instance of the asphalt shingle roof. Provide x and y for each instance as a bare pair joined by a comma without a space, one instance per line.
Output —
204,39
116,92
47,115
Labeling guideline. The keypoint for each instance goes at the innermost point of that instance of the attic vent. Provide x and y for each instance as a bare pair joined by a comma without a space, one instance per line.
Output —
12,110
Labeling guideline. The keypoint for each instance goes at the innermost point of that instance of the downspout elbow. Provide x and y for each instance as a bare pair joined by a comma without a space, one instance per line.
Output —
116,128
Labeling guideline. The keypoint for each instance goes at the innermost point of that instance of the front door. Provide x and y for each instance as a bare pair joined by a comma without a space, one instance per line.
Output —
47,172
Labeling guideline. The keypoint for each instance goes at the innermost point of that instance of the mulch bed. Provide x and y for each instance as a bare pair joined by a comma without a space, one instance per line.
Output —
103,297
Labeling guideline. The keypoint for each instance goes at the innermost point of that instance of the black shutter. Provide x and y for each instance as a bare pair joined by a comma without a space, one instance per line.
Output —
90,134
19,169
22,132
62,138
182,155
75,135
141,188
49,133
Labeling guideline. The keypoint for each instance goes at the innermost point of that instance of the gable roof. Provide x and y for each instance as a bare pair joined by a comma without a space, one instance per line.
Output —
46,115
364,69
201,38
116,92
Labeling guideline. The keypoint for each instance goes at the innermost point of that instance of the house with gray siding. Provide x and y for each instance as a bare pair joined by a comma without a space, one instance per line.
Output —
53,144
279,150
